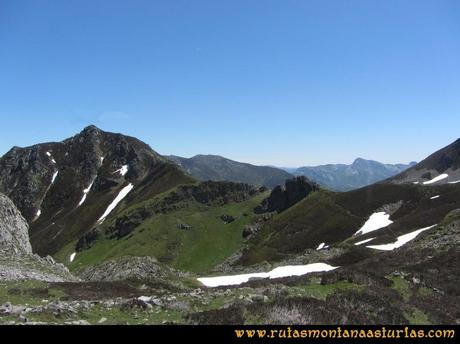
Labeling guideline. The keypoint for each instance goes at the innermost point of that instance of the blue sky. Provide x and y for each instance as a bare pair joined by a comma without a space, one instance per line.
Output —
286,82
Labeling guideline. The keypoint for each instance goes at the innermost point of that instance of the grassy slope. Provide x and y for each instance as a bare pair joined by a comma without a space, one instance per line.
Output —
314,220
57,228
330,217
206,244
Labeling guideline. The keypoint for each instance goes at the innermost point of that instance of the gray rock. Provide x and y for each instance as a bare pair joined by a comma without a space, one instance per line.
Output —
136,268
16,259
227,218
6,309
14,230
250,230
184,226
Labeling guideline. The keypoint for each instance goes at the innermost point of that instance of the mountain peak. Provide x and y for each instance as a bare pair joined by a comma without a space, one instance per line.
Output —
90,129
363,162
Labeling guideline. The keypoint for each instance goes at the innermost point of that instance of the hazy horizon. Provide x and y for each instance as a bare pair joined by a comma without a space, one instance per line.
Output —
288,83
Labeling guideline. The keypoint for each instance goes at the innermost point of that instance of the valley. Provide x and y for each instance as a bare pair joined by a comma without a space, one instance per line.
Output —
101,229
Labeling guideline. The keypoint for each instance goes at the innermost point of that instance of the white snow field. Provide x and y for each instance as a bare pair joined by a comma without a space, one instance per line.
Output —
375,221
401,240
282,271
364,241
436,179
123,170
122,194
72,256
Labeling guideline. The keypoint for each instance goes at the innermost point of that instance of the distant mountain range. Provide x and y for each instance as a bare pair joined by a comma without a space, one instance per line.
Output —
336,177
342,177
217,168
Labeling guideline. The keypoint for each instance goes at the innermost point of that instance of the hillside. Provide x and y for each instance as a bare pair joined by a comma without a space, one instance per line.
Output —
64,188
441,167
217,168
192,228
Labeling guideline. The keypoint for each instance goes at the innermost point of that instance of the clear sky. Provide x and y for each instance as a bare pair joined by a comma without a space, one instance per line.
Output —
278,82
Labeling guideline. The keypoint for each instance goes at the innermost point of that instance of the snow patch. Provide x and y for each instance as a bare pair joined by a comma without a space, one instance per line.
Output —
89,187
375,221
122,194
54,177
48,153
321,246
279,272
455,182
39,212
102,160
364,241
401,240
85,192
434,197
123,170
72,256
83,199
415,182
436,179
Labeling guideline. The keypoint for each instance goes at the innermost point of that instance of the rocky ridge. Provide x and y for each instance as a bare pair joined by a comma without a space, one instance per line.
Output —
17,262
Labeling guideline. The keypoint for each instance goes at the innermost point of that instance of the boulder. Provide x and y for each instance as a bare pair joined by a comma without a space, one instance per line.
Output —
227,218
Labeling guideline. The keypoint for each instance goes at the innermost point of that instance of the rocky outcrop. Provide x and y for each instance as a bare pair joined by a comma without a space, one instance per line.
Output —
14,230
88,240
16,259
285,197
227,218
127,268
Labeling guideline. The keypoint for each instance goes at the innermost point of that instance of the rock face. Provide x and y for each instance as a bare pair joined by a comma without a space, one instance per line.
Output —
14,230
285,197
217,168
16,259
63,188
